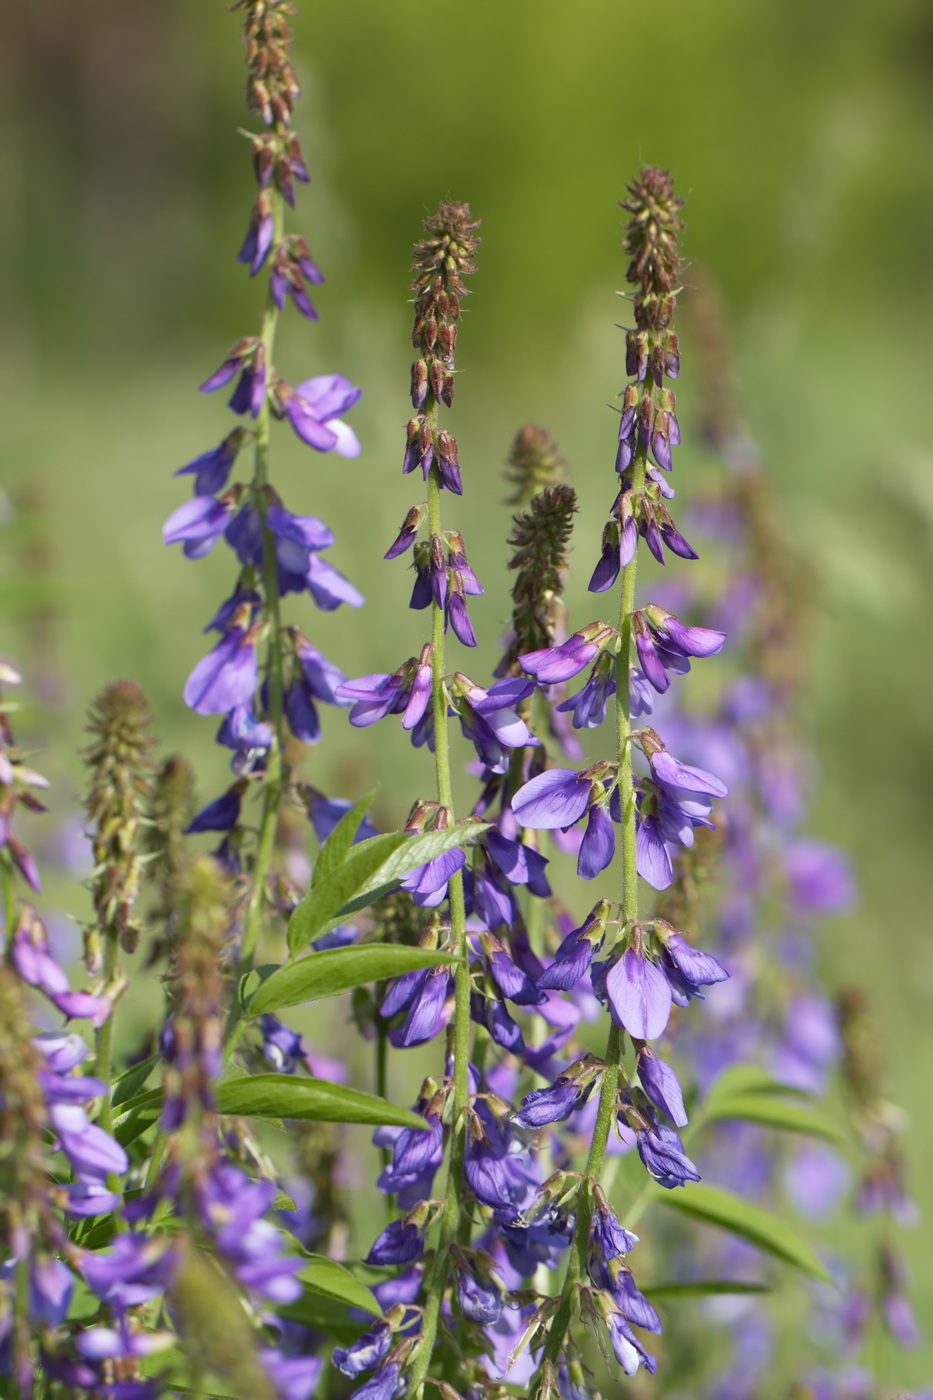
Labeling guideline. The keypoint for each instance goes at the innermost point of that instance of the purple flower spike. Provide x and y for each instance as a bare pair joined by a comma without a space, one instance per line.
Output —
557,798
314,409
662,1086
226,677
598,845
639,995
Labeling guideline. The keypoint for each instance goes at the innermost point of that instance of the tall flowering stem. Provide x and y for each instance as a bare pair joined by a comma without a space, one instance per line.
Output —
274,761
651,350
441,261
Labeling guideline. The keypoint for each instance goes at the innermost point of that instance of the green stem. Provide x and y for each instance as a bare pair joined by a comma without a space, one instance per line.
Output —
576,1262
9,899
450,1229
274,763
103,1038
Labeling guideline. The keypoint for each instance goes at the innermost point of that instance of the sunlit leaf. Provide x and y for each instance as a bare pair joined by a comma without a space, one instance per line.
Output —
332,1280
336,970
762,1229
317,1100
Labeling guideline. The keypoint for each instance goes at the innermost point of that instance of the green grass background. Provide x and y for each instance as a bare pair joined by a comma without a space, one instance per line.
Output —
800,136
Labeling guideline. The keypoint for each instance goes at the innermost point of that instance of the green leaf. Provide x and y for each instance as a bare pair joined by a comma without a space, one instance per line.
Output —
321,908
323,1314
370,869
139,1114
762,1229
340,840
129,1084
317,1100
282,1201
747,1079
332,1280
417,851
336,970
773,1112
702,1288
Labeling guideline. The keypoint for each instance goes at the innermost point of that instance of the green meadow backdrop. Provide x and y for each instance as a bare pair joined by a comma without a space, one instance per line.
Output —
800,136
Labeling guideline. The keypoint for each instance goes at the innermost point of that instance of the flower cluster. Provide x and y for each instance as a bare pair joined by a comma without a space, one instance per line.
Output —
262,677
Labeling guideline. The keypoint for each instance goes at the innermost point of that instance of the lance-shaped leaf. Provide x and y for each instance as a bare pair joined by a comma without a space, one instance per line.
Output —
701,1288
337,970
313,1100
772,1112
762,1229
748,1079
332,1280
370,869
322,1314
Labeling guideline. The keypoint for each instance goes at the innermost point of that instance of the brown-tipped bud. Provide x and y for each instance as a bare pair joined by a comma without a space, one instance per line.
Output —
436,378
540,537
441,260
419,383
118,795
651,242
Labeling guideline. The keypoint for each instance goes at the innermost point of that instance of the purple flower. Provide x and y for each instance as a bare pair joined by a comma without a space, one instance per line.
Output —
425,1009
314,407
366,1352
458,617
553,664
136,1270
639,995
250,739
557,798
662,1153
328,587
259,235
374,696
618,551
382,1386
281,1045
220,815
428,882
550,1105
670,773
628,1350
588,706
200,523
325,813
248,359
212,469
820,878
226,677
662,1086
609,1238
598,845
399,1243
478,1302
694,966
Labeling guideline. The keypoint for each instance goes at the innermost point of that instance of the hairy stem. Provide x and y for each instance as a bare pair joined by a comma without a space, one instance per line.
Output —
274,763
576,1262
451,1221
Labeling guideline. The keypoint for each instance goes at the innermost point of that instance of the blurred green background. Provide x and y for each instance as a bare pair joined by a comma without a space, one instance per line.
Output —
800,135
